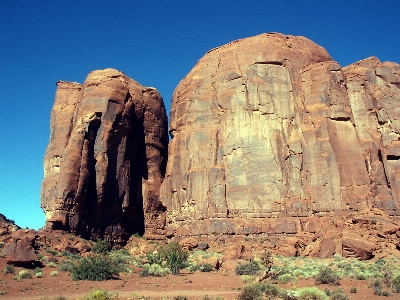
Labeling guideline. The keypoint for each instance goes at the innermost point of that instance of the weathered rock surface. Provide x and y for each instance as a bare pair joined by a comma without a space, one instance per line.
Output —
7,227
106,158
20,251
268,129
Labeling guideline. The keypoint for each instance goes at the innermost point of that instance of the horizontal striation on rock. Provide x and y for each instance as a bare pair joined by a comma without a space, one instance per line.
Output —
106,158
271,126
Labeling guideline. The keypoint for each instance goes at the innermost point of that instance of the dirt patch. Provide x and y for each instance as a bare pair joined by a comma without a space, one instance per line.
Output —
129,286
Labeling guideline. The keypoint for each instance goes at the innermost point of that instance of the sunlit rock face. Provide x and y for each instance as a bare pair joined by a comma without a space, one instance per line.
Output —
106,158
269,128
373,88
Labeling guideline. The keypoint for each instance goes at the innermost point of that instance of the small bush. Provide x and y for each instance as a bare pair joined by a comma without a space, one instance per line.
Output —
396,284
24,274
310,293
51,251
361,276
153,270
9,269
286,278
60,298
180,298
95,267
174,256
251,292
100,295
339,294
202,267
70,256
353,290
51,264
54,274
327,276
376,285
39,274
66,266
206,297
246,278
101,247
256,290
250,268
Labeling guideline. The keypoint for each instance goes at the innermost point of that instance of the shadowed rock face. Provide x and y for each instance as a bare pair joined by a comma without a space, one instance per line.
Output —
270,126
106,158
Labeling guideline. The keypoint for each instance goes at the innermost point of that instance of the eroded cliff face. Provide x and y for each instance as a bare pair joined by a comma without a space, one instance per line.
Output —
106,158
269,128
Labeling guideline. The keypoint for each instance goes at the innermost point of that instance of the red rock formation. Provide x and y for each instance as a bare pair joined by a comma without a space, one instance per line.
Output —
268,129
19,249
106,158
7,227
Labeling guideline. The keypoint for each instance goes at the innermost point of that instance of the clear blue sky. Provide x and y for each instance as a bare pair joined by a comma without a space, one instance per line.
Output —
153,42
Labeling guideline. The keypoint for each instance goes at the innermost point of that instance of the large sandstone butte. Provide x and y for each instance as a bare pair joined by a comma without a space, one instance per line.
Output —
106,158
269,132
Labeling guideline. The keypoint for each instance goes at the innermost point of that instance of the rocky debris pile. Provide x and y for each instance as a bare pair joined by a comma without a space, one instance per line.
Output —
30,248
7,226
362,235
20,248
106,158
268,132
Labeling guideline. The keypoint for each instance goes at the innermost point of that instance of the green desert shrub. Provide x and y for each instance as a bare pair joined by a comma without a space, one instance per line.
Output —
202,267
257,290
153,270
377,286
70,255
54,274
172,254
327,291
51,264
339,294
38,272
179,297
9,269
207,297
286,278
100,294
361,276
23,274
396,284
246,278
95,267
248,268
353,289
51,251
66,266
326,275
310,293
101,247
